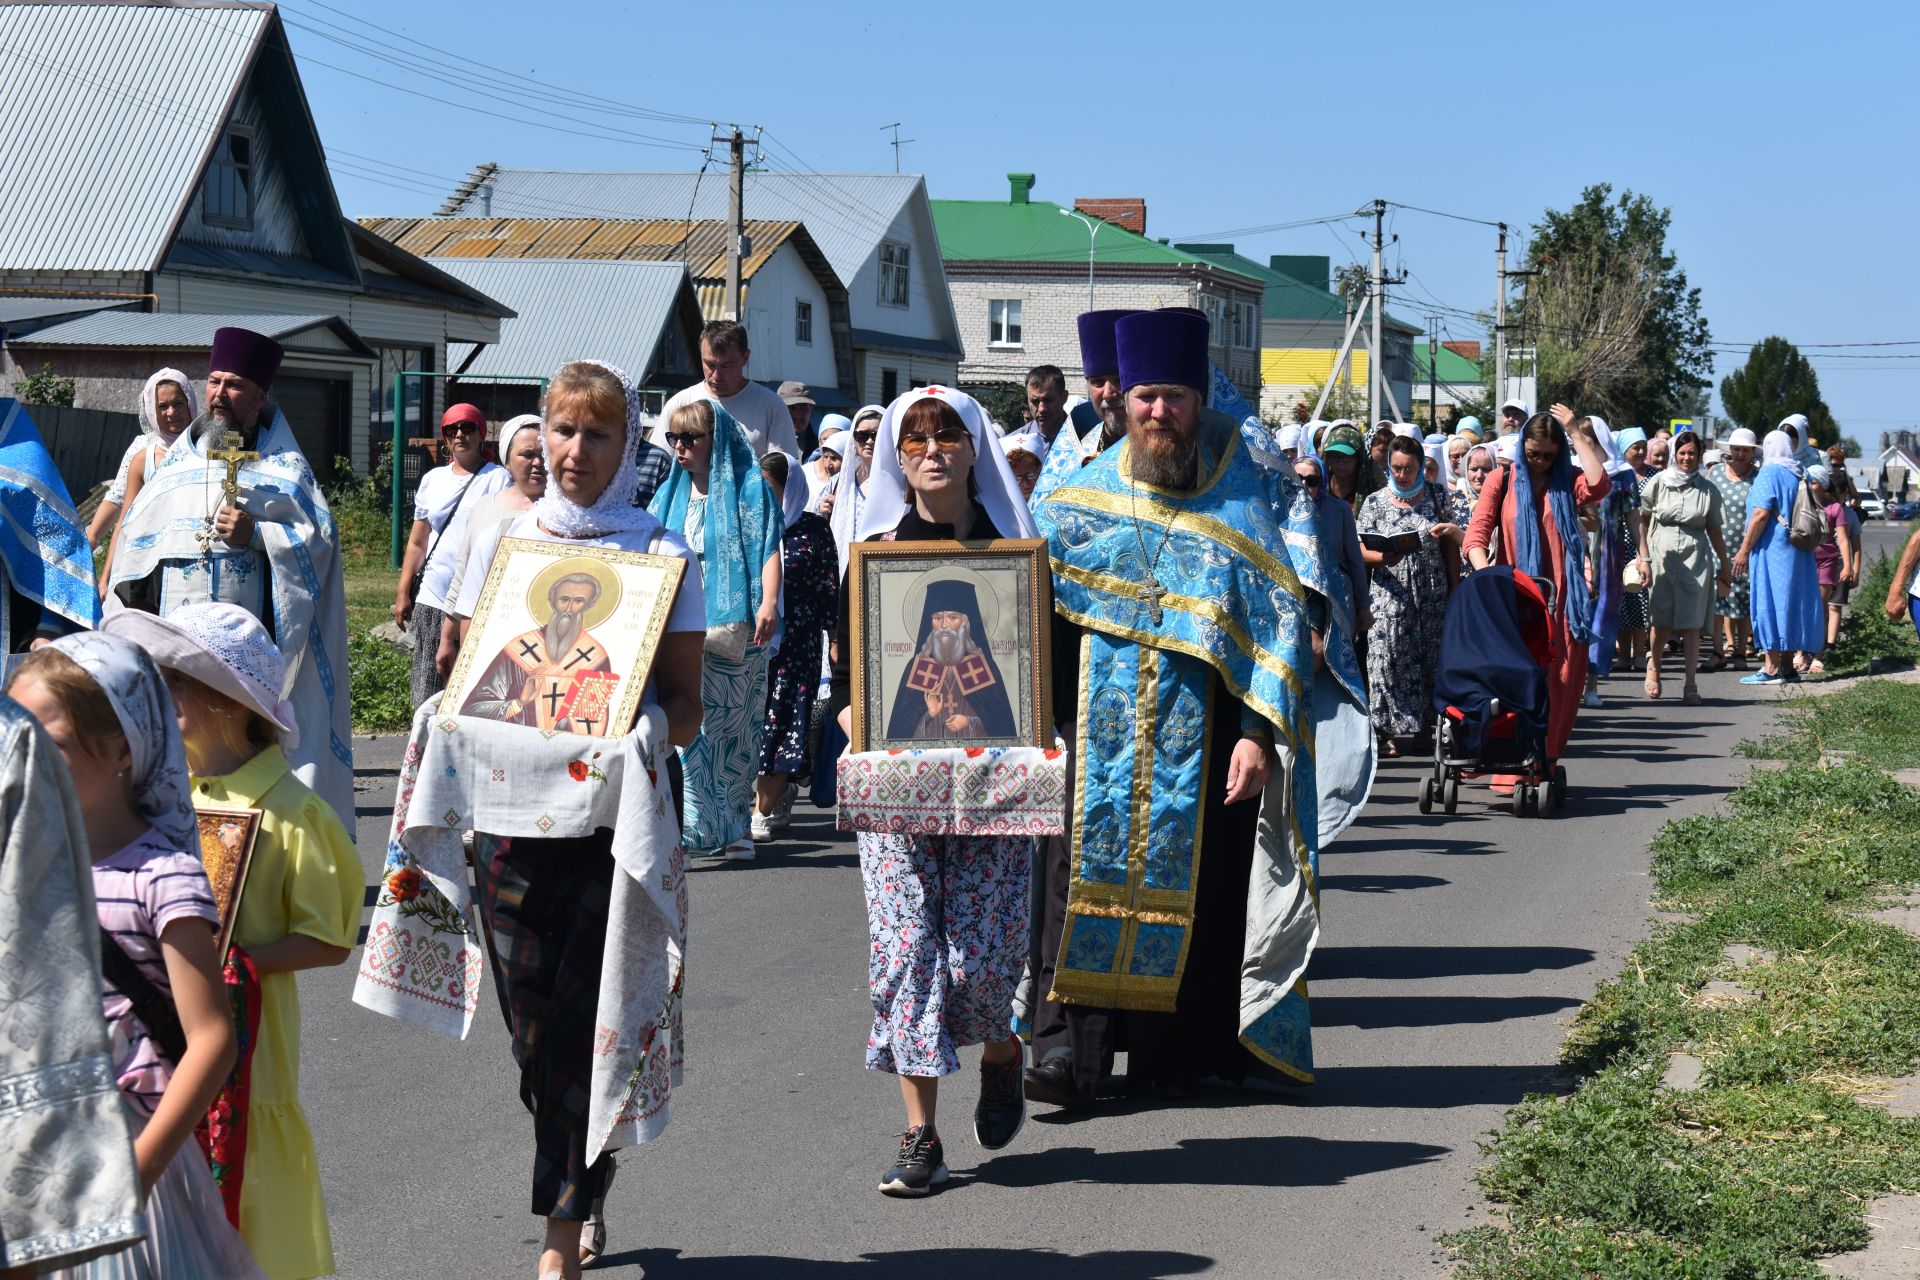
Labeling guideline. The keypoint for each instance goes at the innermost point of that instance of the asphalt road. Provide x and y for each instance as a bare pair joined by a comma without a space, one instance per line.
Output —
1453,950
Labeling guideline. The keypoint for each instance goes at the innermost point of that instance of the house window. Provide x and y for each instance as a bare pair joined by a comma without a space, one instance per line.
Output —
893,274
1216,321
889,385
803,322
1003,322
228,199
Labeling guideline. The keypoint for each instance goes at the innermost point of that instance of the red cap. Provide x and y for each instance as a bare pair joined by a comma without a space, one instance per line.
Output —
467,413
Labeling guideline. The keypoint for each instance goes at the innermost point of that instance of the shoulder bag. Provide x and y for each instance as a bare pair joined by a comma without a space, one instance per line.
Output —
1808,527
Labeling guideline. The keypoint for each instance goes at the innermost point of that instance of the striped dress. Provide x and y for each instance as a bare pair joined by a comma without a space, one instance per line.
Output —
141,890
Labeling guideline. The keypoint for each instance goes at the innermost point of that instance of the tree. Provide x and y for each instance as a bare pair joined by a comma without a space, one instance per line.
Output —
1616,327
1849,447
1775,381
45,387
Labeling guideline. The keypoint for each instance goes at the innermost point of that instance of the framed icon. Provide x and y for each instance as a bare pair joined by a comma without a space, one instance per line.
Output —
951,644
227,835
564,636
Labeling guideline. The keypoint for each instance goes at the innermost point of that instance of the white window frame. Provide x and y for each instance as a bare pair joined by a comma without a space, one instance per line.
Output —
802,322
223,169
1005,326
896,273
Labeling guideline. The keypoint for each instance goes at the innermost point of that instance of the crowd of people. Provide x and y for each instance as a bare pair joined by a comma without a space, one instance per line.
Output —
1244,621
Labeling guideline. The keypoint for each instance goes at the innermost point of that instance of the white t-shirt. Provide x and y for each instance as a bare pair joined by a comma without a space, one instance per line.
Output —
689,607
761,413
433,502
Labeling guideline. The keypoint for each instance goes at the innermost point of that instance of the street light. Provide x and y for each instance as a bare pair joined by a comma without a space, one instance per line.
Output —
1093,234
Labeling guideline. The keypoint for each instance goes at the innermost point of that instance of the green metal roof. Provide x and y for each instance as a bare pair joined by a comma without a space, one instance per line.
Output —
1001,231
1454,367
1288,297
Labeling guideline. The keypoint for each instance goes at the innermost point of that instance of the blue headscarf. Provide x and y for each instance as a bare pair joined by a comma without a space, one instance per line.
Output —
1578,603
44,547
744,521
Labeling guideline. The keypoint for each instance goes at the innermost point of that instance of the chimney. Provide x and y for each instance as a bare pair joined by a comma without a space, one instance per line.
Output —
1129,212
1470,350
1022,184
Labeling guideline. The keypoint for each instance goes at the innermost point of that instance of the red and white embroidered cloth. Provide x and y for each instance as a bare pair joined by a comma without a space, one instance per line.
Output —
955,791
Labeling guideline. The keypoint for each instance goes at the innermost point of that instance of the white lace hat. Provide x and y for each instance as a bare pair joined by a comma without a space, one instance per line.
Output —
223,647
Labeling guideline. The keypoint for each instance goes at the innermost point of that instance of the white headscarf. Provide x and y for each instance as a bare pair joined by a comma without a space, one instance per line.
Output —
1508,448
1616,460
138,694
1777,451
1027,440
613,511
993,481
150,399
503,442
851,489
1435,447
1291,435
1406,429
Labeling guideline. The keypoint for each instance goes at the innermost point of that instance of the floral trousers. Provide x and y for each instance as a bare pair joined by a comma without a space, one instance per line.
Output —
947,923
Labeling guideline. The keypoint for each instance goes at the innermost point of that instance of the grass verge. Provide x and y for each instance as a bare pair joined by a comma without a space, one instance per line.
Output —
1874,722
1769,1163
377,672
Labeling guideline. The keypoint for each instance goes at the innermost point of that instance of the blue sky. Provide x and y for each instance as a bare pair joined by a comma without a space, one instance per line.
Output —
1780,137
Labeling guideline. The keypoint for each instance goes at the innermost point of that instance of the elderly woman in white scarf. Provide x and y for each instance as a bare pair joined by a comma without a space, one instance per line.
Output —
167,407
820,473
1785,599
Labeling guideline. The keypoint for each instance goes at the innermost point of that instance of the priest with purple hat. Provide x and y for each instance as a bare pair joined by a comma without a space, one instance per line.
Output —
274,550
1218,737
1094,426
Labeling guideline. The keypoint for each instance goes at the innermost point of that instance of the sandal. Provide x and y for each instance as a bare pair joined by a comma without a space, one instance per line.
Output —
1388,749
1816,668
593,1231
1652,684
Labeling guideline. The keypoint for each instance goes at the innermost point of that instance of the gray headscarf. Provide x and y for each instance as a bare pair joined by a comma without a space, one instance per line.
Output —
138,693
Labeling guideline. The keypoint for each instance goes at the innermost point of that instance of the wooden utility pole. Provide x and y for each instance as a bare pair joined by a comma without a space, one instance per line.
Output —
736,219
1500,319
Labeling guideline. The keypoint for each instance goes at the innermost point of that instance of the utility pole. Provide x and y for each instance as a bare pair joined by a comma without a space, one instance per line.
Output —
898,142
736,220
1500,319
1378,288
1433,374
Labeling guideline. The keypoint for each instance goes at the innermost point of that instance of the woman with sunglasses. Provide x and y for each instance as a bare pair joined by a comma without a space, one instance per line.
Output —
947,916
1343,535
444,494
717,498
851,492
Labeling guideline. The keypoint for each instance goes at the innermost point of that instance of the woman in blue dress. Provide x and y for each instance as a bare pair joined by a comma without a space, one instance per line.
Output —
1787,614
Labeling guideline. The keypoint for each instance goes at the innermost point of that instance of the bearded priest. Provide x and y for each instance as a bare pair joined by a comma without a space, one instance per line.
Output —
273,548
1197,623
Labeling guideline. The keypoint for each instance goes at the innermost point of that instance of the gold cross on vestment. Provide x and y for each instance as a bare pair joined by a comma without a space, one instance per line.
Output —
233,452
1150,595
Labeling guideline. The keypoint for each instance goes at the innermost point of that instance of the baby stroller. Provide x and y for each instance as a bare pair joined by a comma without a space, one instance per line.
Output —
1491,692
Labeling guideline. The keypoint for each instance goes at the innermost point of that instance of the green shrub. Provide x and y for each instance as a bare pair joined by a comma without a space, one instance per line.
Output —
1867,634
378,675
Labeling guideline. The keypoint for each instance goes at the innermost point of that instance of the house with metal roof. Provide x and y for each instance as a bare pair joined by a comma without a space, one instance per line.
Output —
1302,324
1444,378
642,316
1023,270
875,229
796,307
211,198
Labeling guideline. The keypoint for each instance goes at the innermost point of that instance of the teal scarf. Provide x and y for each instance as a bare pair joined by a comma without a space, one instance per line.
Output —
743,527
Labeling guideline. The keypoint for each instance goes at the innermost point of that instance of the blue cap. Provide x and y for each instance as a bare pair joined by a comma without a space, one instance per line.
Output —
1099,352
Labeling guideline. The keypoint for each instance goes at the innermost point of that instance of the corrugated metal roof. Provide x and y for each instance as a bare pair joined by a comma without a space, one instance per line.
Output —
1001,231
175,329
1454,367
613,311
701,244
18,310
848,214
110,110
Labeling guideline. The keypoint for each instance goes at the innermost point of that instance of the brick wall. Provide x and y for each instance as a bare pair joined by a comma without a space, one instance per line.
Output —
1050,313
72,282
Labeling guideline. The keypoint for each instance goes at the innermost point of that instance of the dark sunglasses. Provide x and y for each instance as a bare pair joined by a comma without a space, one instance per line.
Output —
1312,482
461,429
677,438
866,437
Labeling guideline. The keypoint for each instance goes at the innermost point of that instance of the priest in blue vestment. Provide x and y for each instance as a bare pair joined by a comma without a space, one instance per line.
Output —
1206,684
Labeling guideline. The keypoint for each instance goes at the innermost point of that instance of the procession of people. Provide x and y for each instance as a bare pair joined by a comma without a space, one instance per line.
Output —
634,641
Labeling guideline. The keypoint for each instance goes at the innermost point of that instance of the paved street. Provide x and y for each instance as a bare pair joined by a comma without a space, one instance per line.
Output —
1453,949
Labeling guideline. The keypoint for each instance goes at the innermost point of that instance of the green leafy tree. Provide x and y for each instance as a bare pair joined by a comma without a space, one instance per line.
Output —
45,387
1616,326
1775,381
1849,447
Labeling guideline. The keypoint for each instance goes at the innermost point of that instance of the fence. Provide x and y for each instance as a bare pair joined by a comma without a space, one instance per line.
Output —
86,444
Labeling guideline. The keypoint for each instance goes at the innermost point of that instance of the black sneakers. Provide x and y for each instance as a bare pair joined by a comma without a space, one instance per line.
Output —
1002,1108
1052,1082
920,1167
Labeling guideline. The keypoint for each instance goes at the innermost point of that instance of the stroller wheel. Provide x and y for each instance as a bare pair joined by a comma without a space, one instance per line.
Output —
1520,799
1559,785
1450,795
1426,795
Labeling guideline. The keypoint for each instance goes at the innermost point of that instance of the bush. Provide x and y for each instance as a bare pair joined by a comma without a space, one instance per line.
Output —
44,387
378,676
362,507
1867,633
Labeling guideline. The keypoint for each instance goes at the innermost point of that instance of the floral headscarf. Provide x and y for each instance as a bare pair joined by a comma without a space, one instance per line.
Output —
613,511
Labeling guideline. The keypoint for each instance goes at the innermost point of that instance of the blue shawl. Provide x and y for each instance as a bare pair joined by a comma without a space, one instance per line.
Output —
1577,602
44,547
744,521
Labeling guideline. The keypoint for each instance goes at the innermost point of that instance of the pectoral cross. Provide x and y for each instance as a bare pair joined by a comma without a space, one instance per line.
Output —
1151,595
233,452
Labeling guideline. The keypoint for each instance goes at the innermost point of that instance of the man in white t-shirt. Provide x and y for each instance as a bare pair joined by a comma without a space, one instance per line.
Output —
723,360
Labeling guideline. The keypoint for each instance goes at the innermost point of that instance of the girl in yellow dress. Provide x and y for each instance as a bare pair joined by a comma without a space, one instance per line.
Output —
300,908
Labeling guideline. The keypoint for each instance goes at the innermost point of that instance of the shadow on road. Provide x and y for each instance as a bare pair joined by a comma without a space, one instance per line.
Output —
1372,1013
1002,1264
1411,844
1294,1161
1399,1088
1398,963
1379,883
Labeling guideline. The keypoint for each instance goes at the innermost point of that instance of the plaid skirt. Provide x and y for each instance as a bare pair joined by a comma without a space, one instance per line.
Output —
546,904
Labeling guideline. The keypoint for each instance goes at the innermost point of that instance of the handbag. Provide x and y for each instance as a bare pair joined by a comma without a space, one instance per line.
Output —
1808,526
1631,579
440,533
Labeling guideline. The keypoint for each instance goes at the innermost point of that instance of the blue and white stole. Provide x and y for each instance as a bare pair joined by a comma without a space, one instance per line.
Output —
41,541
